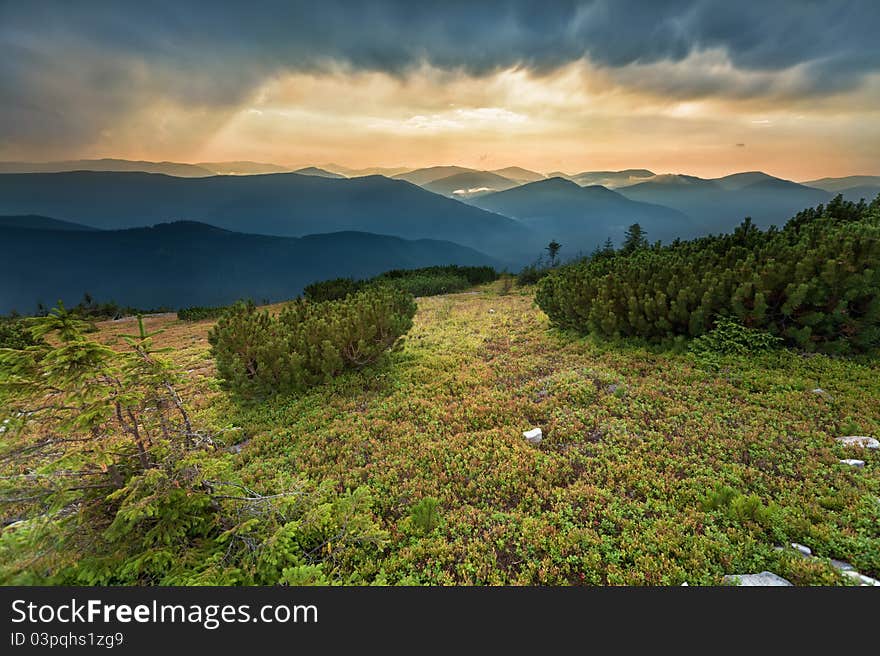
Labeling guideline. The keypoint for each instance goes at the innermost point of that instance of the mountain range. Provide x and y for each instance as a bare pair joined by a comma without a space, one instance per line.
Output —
719,204
186,263
281,204
582,218
70,231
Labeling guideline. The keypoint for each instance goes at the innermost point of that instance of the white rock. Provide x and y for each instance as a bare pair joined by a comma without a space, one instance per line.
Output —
755,580
818,390
859,440
852,462
491,311
861,578
534,436
685,585
806,551
842,566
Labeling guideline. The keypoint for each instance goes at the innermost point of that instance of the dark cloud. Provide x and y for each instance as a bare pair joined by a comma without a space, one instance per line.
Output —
77,64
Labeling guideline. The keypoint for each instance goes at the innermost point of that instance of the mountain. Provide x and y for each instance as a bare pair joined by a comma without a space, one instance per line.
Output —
470,184
742,180
283,204
856,194
721,204
387,171
321,173
34,222
432,173
582,218
184,263
519,174
611,179
242,168
168,168
842,184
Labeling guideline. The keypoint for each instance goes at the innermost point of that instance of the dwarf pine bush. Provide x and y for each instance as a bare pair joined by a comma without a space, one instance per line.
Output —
814,283
308,343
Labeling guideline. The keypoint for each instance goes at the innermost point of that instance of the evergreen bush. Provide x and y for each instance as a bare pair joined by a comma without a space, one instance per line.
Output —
308,343
201,313
814,283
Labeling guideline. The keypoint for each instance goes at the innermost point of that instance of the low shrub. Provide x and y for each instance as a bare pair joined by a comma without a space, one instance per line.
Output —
531,274
814,283
332,290
201,313
307,343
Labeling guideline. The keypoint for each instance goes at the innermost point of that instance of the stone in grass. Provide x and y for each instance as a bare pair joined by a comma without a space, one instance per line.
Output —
842,566
861,578
534,436
755,580
818,390
803,549
859,440
852,462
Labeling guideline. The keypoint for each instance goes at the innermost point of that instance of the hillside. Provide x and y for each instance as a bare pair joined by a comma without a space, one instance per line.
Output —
320,173
610,179
519,174
470,184
430,174
635,443
166,168
721,204
185,264
842,184
242,168
33,222
283,204
582,218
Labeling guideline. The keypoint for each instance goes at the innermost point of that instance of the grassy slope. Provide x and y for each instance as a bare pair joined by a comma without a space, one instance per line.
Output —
634,441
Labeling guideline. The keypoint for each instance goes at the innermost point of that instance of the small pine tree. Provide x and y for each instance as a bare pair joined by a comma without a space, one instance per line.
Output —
553,251
635,239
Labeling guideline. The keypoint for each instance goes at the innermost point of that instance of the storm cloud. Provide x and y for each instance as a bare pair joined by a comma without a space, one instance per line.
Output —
68,70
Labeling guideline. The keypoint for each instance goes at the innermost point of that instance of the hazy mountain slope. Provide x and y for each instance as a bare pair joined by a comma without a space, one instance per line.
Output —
720,205
282,204
34,222
856,194
168,168
582,218
387,171
519,174
841,184
470,184
182,264
320,173
432,173
242,168
612,179
745,179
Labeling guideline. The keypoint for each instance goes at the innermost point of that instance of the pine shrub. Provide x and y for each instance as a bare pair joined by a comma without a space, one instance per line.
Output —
308,343
814,283
201,313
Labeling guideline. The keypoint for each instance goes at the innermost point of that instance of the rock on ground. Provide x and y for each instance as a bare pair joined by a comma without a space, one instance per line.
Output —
755,580
534,436
859,440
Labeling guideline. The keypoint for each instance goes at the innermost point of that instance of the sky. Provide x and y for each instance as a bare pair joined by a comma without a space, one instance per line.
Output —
791,87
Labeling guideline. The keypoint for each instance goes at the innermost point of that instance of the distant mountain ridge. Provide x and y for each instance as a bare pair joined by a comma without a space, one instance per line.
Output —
121,165
282,204
186,263
321,173
582,218
722,203
470,184
35,222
